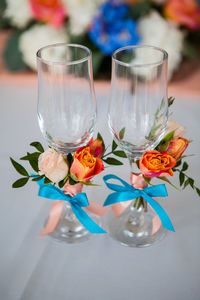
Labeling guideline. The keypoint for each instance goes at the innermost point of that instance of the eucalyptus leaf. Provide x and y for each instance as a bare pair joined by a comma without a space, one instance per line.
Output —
168,181
20,182
19,168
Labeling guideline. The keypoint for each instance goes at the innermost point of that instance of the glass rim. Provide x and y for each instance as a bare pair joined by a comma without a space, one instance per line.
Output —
73,62
165,56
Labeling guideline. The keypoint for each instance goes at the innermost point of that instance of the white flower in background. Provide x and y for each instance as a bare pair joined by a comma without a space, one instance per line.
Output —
156,31
81,13
36,37
19,12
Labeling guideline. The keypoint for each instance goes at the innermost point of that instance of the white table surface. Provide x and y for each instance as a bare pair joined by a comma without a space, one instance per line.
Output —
38,268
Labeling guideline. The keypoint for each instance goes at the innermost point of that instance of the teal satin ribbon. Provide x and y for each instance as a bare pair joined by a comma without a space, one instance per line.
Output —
128,192
80,200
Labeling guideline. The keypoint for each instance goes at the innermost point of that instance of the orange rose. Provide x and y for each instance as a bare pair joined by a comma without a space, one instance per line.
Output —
96,147
177,147
156,164
85,165
183,12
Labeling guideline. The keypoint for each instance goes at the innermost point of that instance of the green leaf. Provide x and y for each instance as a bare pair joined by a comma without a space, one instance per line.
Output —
121,133
47,180
170,101
167,180
99,137
184,167
38,146
140,9
186,183
71,181
73,177
20,182
120,153
37,178
61,183
181,178
12,54
198,191
89,183
147,179
69,159
189,49
178,163
191,181
114,146
112,161
19,168
168,137
33,160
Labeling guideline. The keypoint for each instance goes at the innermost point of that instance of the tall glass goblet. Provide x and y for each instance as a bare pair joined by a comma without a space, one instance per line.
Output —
66,112
138,113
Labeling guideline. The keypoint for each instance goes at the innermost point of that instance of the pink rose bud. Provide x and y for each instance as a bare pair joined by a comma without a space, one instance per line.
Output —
177,147
52,165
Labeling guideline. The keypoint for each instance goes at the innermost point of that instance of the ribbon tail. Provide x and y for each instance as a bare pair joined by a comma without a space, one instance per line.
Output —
97,209
54,217
89,224
119,208
166,222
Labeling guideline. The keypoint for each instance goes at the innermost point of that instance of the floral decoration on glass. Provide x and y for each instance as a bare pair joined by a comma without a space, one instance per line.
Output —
70,173
166,159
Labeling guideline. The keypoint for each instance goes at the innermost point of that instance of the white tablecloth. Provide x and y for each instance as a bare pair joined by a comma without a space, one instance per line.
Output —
38,268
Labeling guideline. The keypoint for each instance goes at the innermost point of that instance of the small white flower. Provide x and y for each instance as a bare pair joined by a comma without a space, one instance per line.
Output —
156,31
19,12
36,37
81,13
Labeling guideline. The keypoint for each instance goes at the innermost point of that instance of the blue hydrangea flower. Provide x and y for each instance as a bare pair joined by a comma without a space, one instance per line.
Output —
112,29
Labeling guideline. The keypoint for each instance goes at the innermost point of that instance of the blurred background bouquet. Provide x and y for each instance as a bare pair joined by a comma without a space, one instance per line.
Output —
101,25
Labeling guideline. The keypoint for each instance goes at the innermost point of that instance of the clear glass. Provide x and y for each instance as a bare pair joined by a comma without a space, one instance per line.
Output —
137,117
66,98
66,112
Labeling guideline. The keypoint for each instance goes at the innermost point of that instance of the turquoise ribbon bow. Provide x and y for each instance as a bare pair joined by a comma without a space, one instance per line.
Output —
80,200
128,192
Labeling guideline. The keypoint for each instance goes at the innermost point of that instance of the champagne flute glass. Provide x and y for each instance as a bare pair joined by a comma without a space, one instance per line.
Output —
137,117
66,112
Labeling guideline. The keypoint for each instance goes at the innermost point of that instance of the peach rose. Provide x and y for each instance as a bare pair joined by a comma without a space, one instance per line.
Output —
178,129
177,147
52,165
85,165
183,12
49,11
156,164
96,147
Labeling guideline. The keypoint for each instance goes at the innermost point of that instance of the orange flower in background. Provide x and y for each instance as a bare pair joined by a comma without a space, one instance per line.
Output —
49,11
183,12
85,165
177,147
156,164
96,147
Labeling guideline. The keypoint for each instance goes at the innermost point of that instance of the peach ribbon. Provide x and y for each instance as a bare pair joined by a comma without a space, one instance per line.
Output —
57,207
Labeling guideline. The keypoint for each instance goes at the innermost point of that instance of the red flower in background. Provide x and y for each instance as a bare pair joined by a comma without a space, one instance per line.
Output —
49,11
183,12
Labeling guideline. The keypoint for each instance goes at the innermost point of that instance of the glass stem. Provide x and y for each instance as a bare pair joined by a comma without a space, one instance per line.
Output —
133,160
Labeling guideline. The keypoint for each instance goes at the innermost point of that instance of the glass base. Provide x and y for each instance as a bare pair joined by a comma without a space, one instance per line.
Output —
136,228
69,229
